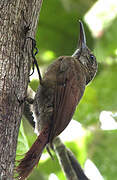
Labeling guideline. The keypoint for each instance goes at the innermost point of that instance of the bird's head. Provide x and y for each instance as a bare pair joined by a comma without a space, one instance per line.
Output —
85,56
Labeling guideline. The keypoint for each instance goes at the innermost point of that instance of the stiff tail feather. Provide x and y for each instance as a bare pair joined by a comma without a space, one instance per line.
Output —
32,157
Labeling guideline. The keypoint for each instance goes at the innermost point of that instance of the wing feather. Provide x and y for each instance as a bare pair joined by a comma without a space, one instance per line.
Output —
66,98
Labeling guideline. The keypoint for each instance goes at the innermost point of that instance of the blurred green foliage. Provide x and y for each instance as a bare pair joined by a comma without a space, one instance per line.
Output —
57,34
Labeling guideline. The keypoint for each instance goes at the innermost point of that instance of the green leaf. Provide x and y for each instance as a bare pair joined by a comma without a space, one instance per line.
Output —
102,151
34,84
23,146
106,46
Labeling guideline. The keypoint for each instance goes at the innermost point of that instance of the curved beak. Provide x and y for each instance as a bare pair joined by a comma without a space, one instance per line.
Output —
82,37
82,40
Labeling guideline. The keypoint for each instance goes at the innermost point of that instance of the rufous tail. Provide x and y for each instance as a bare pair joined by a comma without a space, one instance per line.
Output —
32,157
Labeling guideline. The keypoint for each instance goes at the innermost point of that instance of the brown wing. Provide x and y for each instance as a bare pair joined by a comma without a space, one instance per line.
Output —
67,96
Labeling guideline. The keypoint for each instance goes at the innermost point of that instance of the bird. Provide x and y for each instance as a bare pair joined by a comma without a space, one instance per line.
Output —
59,92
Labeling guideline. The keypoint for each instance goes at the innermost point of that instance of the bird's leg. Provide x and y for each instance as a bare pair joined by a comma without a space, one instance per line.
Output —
34,59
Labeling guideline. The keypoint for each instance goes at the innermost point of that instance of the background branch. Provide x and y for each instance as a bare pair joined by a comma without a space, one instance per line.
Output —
68,162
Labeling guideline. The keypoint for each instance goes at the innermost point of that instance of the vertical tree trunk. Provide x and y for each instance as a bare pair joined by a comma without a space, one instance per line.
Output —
15,62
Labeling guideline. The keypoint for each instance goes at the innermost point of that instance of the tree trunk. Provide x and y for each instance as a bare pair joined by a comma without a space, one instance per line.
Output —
15,63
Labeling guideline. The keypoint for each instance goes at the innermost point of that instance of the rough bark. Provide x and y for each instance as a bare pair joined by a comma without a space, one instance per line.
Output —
15,63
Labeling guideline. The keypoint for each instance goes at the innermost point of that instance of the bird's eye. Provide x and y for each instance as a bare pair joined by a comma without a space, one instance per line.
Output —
91,57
